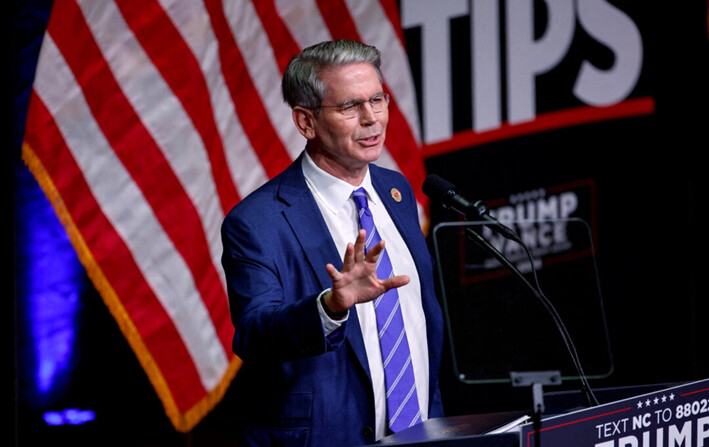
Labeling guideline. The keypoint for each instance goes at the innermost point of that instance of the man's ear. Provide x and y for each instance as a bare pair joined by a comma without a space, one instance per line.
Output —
304,121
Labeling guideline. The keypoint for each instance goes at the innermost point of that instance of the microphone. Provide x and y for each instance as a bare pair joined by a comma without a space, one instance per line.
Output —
445,192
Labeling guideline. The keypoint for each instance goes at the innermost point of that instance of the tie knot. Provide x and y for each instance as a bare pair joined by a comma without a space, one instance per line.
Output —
359,196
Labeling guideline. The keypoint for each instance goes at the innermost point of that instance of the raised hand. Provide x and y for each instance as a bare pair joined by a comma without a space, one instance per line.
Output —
358,282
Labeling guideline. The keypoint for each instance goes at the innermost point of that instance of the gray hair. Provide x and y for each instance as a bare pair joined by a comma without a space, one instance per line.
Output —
302,86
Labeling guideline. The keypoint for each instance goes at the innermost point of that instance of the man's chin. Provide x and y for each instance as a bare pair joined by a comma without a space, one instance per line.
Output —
371,153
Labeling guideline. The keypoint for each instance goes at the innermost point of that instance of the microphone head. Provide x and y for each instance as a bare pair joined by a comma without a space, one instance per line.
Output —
438,189
445,192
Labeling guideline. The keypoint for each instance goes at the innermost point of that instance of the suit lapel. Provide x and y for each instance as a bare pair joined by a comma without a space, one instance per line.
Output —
305,219
385,187
309,228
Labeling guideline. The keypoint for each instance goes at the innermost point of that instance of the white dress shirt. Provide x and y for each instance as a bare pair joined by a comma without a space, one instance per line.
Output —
333,197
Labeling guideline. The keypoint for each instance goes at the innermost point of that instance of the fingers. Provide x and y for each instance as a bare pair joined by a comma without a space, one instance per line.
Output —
375,251
333,272
357,282
358,252
348,262
359,245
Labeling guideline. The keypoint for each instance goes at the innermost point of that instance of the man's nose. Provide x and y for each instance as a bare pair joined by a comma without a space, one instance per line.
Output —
367,114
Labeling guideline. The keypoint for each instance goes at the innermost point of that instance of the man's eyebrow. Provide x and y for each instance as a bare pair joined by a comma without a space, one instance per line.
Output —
349,102
354,101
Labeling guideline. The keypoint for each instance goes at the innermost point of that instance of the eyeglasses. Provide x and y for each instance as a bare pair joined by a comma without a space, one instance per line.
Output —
353,107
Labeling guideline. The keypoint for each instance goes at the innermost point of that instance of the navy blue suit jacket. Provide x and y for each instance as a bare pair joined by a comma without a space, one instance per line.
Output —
297,387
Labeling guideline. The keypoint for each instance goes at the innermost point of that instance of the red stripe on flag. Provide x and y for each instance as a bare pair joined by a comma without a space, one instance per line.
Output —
147,19
141,156
112,268
391,9
338,19
251,111
283,44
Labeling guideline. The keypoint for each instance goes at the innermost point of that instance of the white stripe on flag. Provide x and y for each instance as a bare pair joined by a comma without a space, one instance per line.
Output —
304,21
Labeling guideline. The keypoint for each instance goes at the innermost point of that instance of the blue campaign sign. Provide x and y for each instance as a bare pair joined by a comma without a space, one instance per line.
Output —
676,416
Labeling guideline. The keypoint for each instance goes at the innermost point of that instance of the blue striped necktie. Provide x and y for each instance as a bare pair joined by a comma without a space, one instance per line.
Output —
402,401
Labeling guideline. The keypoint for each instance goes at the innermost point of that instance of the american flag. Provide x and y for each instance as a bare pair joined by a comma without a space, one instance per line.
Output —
149,120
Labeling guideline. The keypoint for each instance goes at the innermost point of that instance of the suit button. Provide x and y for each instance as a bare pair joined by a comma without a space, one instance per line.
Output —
368,431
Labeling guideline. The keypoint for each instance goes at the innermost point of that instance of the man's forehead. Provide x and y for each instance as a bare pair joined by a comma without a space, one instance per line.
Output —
351,81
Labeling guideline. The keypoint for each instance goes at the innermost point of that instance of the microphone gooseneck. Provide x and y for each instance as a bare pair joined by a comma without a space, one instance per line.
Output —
445,192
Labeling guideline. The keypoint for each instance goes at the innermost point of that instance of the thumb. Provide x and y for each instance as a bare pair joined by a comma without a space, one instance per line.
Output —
396,281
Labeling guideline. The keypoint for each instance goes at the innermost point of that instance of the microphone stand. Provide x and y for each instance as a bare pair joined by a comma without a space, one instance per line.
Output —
484,244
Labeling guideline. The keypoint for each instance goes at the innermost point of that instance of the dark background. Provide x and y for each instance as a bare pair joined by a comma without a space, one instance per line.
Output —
651,190
650,179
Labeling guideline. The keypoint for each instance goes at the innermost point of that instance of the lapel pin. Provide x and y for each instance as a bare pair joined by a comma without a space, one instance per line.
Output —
395,194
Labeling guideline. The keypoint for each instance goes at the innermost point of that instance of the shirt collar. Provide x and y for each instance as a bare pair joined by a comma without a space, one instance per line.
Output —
332,191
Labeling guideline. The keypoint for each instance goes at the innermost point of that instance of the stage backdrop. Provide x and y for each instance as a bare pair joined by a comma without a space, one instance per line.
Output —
144,122
585,109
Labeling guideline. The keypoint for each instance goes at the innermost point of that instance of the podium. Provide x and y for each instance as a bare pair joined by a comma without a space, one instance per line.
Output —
468,430
496,327
673,415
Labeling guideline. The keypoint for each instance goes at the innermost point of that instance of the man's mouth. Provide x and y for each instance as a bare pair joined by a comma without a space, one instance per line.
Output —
371,140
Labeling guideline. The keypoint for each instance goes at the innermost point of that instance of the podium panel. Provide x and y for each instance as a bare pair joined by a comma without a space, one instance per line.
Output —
669,416
495,322
675,416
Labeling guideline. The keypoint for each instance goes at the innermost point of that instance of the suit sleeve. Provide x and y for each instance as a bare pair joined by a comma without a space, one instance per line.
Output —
271,298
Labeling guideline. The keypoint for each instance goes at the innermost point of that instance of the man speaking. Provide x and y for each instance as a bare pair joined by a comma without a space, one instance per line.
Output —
329,276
